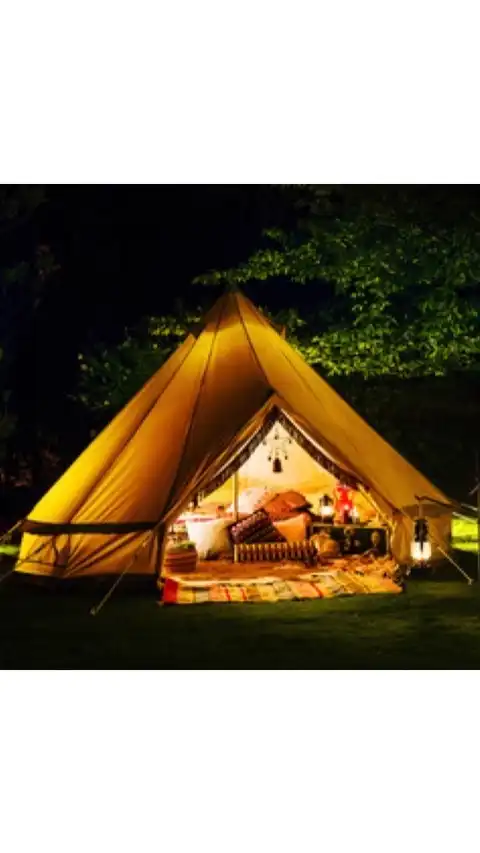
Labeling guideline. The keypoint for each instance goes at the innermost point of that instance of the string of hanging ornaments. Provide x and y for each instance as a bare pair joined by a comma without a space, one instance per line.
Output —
277,447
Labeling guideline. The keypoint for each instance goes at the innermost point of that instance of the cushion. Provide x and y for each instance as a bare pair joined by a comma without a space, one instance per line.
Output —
257,527
210,536
266,496
286,503
296,501
252,499
276,552
293,529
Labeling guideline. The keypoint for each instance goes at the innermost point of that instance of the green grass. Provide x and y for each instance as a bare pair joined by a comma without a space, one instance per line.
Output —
465,534
434,625
9,550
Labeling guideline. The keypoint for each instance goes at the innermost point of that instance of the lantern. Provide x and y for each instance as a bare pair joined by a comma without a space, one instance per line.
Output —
421,549
277,466
326,508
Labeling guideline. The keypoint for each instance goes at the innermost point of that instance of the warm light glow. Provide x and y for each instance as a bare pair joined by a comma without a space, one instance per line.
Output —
421,551
326,512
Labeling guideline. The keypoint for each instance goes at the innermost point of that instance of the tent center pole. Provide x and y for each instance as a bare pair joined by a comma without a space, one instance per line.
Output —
235,495
235,508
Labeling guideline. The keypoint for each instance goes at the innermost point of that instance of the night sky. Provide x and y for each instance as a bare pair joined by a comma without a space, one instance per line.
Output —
124,252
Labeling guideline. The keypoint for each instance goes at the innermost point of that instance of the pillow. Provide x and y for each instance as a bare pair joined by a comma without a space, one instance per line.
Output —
293,529
211,537
285,504
266,496
296,501
257,527
252,499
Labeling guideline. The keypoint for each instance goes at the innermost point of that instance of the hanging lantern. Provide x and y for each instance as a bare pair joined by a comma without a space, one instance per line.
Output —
277,466
326,508
421,549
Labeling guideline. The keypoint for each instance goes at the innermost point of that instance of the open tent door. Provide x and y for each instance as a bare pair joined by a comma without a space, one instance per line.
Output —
301,466
296,470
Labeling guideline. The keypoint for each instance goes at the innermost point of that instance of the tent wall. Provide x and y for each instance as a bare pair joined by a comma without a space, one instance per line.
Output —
107,554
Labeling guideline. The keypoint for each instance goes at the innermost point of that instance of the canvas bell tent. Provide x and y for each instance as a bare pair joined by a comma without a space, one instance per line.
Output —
199,418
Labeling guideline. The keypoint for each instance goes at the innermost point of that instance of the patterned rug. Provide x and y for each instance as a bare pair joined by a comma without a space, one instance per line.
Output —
307,585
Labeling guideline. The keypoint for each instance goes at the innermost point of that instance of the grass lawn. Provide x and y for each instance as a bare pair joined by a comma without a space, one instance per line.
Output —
435,624
465,534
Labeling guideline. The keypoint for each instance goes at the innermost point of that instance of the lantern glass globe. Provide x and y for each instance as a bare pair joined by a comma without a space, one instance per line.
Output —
421,551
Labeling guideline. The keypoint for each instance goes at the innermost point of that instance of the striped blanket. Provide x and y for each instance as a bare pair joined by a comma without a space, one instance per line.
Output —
270,589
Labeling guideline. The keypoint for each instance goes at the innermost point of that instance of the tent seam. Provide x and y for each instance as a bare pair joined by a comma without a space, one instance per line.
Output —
252,348
194,412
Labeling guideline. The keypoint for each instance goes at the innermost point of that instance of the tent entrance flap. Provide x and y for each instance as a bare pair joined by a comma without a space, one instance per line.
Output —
309,469
234,464
306,448
316,452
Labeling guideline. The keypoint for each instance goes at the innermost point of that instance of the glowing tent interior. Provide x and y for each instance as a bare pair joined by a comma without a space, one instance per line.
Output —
200,421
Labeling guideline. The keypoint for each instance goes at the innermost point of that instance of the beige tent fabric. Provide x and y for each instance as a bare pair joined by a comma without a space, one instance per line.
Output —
186,423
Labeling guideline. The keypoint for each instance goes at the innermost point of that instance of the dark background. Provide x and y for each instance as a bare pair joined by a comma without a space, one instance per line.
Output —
123,252
127,251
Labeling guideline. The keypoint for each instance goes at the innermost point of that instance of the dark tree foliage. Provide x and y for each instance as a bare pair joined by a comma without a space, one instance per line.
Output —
26,268
369,282
110,376
392,279
379,285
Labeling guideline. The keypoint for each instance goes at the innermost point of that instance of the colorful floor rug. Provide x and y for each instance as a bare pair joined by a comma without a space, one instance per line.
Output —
309,585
